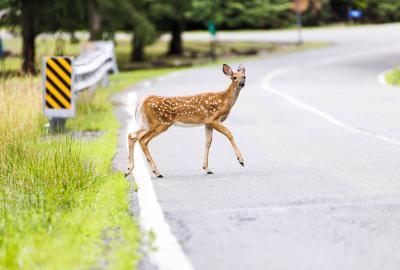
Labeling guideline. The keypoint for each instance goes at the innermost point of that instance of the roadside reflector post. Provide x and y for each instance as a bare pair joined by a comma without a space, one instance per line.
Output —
64,79
58,91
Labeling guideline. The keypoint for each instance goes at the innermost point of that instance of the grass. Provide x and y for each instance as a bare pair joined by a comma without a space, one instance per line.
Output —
155,53
196,52
393,76
62,206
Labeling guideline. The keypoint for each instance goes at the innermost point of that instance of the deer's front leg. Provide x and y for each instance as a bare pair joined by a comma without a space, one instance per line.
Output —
221,128
209,131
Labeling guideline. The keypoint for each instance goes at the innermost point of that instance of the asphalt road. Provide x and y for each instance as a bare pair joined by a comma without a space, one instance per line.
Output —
321,141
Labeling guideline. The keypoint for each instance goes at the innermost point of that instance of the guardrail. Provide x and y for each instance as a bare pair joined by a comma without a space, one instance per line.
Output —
64,78
94,64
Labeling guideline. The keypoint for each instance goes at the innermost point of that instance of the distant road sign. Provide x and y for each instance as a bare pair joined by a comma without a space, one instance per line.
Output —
299,5
211,28
355,13
58,91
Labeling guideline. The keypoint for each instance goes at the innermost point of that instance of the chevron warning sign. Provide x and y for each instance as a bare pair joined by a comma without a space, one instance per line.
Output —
58,91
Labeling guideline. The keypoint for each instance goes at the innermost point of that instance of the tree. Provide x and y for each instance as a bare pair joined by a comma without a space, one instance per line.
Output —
171,15
144,34
94,20
37,16
231,14
28,36
143,29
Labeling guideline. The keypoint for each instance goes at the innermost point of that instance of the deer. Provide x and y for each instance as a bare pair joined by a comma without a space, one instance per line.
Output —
156,114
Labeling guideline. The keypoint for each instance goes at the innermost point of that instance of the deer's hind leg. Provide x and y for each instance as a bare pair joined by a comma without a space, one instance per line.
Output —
144,141
132,138
209,131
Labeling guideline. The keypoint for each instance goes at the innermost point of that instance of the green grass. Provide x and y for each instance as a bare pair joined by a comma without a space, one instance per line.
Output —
393,76
62,206
47,46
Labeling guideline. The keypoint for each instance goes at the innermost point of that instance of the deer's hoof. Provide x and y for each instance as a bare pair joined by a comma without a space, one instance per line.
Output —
160,176
210,172
127,172
241,162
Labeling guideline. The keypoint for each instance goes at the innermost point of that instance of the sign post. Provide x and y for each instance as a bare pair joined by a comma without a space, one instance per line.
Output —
299,6
213,31
58,92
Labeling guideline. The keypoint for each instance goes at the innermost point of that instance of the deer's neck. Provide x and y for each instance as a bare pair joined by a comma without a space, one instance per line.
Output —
232,93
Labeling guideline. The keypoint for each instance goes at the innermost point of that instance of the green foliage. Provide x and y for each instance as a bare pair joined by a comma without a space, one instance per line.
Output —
382,11
242,14
49,16
62,206
163,12
393,76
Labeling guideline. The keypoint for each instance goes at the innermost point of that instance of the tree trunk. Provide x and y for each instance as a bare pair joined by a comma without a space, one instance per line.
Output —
137,49
94,20
28,37
175,45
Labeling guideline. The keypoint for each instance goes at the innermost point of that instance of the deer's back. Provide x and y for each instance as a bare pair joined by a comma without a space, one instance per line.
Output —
187,110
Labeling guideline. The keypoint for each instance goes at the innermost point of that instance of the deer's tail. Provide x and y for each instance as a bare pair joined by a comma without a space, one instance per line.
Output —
139,117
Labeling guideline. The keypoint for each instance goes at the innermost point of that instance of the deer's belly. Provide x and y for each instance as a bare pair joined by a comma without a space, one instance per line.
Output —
181,124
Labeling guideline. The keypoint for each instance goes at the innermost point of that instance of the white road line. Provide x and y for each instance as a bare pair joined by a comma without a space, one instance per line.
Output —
266,84
168,254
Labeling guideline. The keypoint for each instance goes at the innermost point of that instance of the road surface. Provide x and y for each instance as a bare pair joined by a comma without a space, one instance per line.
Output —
321,141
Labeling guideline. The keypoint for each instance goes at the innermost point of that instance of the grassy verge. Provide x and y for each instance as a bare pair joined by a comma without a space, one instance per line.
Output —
155,55
62,206
393,76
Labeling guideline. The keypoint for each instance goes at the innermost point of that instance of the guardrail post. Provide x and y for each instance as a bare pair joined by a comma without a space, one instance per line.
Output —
105,81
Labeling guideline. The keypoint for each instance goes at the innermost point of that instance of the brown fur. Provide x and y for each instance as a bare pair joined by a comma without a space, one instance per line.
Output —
210,109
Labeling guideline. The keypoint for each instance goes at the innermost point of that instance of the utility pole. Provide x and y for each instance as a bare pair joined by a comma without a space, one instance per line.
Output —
299,6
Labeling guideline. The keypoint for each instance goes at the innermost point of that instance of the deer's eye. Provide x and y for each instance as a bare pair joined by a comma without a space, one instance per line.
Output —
234,78
244,77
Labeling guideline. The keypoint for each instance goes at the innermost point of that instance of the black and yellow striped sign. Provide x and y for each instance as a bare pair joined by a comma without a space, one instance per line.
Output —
58,83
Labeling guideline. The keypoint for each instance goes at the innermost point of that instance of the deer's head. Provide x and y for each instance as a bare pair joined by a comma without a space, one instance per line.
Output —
238,77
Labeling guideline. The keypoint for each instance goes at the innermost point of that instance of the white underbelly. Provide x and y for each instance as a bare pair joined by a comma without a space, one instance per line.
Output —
180,124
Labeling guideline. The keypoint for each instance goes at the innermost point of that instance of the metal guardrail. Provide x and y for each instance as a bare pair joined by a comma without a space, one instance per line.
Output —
93,65
64,78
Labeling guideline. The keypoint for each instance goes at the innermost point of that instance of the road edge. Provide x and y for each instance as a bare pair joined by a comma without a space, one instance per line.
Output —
165,252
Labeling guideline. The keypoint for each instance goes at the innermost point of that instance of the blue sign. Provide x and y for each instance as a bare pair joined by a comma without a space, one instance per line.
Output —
355,13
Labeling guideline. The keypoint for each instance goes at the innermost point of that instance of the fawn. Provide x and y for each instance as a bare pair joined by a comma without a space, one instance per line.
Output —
156,114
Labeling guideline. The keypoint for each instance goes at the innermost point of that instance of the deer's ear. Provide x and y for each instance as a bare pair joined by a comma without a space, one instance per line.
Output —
241,68
227,70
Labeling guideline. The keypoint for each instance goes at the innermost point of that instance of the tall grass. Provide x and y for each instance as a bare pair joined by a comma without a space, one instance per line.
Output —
39,176
61,205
